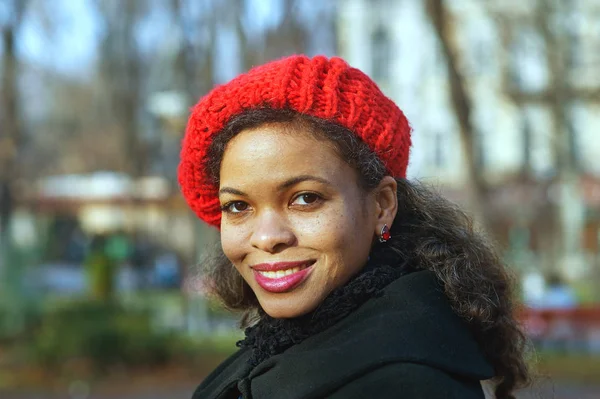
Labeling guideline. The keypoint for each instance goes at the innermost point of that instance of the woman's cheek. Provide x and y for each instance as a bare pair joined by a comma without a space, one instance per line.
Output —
321,229
312,227
232,242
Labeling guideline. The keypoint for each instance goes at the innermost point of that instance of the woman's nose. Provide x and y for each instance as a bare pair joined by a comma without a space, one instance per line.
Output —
271,233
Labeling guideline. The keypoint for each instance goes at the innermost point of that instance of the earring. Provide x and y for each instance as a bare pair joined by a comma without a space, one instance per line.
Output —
385,234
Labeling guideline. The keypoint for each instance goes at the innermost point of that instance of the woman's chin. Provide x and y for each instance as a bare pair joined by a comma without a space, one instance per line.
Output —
286,308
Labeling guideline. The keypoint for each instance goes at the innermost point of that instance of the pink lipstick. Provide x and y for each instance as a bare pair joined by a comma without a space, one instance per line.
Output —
281,276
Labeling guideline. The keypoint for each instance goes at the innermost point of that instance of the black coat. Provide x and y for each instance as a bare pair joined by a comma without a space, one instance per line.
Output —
406,344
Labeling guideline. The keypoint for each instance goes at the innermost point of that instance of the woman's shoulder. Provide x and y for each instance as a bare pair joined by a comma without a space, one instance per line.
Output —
406,339
412,321
412,380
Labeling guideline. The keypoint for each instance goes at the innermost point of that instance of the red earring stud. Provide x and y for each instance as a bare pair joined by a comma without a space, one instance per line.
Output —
385,234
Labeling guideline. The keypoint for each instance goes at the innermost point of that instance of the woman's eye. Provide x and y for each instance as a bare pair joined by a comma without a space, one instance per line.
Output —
306,199
235,207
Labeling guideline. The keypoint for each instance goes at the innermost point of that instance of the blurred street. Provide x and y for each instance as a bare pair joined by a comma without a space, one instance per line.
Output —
544,391
561,391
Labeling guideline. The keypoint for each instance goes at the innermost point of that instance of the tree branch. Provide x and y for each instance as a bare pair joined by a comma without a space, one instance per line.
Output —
461,103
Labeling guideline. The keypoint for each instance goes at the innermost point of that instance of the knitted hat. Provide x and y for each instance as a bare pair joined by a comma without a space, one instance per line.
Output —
327,89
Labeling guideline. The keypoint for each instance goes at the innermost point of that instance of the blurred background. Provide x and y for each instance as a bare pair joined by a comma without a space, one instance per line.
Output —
99,297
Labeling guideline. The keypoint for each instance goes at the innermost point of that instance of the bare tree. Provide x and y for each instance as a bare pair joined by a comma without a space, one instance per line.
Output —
194,62
462,106
11,128
122,74
548,20
558,104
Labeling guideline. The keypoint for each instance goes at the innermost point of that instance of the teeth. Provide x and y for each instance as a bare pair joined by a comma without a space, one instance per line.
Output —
281,273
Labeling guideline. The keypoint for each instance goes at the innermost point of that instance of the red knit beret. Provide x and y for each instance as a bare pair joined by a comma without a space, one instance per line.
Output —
325,88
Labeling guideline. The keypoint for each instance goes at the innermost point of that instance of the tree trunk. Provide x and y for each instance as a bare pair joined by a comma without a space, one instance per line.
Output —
10,131
567,201
10,143
122,74
10,128
461,103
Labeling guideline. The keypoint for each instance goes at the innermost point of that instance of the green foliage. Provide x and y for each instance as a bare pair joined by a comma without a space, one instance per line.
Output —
101,270
19,303
105,334
581,368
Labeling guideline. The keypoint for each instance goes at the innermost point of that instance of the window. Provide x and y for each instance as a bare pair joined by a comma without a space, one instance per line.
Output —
381,54
527,144
439,158
573,49
481,57
573,21
514,74
528,68
574,159
479,144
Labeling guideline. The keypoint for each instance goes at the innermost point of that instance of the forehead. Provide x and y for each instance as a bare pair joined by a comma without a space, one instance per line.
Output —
275,152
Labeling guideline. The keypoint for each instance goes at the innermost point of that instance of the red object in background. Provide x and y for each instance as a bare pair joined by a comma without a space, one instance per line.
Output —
580,324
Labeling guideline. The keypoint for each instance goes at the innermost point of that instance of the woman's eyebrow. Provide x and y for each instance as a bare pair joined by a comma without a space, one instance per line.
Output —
230,190
283,186
299,179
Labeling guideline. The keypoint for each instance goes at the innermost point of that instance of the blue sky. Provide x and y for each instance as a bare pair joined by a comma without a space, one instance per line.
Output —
72,48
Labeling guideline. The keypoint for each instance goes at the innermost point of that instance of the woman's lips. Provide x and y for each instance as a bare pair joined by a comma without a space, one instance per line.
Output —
282,276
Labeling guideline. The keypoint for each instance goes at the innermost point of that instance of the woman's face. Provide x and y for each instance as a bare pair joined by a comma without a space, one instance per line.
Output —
295,222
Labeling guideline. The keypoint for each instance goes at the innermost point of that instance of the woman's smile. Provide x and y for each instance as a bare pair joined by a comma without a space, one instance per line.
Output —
282,276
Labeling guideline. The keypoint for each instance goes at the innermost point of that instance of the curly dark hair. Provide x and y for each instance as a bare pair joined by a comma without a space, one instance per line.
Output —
428,229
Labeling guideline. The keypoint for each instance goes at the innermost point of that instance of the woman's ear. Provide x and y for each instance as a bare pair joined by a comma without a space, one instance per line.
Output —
386,197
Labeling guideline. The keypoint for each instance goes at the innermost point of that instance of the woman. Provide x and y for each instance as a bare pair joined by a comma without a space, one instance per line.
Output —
353,282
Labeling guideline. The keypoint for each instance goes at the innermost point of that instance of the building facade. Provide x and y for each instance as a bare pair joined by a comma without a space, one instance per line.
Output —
517,89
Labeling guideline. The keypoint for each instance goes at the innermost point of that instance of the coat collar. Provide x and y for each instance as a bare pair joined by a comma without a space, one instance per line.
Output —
411,322
272,336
